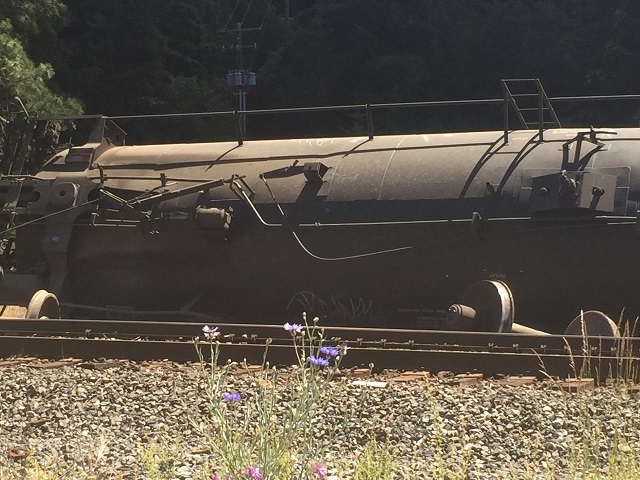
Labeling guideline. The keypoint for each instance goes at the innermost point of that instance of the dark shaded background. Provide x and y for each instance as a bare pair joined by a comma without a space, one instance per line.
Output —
161,56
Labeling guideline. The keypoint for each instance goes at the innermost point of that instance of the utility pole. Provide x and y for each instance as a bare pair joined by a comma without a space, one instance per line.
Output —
240,78
287,18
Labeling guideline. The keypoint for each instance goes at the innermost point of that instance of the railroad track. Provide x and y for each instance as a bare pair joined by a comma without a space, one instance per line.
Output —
434,351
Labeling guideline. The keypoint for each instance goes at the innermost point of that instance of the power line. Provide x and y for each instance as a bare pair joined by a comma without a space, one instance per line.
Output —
247,11
266,12
231,16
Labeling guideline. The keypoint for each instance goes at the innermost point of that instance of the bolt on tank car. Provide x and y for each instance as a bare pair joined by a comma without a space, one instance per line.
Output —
479,230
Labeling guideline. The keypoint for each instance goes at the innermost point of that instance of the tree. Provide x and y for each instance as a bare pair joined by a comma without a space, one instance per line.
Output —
147,57
378,51
26,87
24,83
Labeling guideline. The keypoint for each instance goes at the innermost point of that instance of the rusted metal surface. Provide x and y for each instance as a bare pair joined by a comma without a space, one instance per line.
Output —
363,337
487,363
459,353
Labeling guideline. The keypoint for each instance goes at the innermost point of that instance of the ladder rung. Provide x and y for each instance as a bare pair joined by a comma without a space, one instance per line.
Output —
532,109
524,94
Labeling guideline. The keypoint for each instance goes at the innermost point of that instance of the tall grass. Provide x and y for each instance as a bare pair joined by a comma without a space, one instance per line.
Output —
376,462
255,434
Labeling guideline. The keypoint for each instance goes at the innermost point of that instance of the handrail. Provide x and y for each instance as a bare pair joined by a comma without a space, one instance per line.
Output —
439,103
367,110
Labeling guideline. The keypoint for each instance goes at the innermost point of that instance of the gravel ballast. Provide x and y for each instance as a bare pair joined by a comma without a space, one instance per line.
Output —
104,422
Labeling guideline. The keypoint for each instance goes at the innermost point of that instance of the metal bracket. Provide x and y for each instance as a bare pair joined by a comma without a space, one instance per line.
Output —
585,190
590,136
369,121
476,225
126,206
13,195
103,176
234,187
168,195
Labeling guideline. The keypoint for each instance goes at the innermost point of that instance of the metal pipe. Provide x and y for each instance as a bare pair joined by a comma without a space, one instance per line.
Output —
517,328
464,316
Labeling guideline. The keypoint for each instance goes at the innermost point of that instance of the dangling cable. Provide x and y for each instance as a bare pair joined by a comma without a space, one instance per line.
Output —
295,235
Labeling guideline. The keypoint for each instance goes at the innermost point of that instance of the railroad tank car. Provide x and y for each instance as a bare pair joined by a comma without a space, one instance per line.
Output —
371,230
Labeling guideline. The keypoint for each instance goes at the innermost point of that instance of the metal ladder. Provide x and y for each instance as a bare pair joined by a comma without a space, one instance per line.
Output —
531,102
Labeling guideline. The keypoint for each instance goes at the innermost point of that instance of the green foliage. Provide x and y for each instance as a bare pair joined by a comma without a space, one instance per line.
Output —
32,18
21,77
370,51
274,428
28,31
158,458
27,26
375,463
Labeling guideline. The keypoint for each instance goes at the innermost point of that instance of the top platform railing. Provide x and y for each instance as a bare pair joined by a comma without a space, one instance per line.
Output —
509,101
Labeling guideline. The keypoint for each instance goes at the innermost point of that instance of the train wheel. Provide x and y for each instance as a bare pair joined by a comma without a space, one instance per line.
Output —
487,306
593,323
43,305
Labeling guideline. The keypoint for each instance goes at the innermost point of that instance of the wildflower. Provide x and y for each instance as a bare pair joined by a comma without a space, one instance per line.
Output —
210,332
318,469
330,351
343,348
252,473
212,431
318,361
231,397
214,477
293,328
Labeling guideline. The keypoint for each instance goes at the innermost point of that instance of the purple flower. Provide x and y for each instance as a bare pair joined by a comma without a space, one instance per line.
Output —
293,328
252,473
318,469
210,332
214,477
318,361
231,397
330,351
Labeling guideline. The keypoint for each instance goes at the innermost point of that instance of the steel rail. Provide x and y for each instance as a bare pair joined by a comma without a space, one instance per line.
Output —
459,352
352,335
487,363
